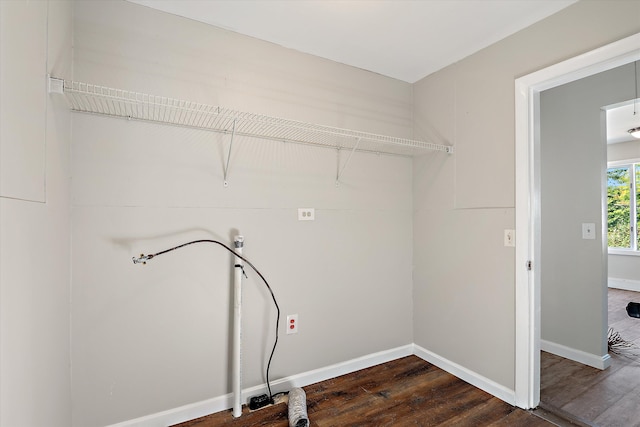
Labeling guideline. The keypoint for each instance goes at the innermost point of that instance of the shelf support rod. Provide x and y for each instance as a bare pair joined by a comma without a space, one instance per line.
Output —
226,167
346,163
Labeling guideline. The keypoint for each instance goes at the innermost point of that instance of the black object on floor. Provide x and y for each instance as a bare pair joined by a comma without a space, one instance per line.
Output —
633,309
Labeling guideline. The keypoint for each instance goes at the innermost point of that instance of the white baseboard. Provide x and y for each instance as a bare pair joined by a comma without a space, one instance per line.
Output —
332,371
180,414
473,378
624,284
599,362
221,403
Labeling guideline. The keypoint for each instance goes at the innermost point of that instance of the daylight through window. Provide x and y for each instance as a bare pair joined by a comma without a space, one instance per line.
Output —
622,206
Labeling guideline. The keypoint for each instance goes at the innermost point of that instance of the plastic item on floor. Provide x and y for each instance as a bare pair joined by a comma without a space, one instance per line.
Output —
633,309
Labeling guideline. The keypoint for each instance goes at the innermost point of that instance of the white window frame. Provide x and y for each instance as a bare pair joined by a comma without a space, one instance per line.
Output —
633,250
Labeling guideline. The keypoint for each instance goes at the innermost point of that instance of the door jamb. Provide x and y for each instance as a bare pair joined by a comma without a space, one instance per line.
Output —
527,186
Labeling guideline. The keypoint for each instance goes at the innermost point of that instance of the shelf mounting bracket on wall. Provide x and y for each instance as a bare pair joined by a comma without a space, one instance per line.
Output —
346,163
226,166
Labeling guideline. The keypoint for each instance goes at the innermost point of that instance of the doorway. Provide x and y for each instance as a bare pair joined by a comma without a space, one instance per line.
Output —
590,396
529,248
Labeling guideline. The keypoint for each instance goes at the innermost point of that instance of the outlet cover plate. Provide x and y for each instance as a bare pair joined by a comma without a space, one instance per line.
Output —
510,238
306,214
292,324
588,230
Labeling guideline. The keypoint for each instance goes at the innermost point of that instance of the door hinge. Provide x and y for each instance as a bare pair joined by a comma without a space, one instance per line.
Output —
529,265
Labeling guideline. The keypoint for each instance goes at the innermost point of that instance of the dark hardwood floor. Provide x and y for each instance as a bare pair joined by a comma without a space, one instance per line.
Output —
403,392
609,398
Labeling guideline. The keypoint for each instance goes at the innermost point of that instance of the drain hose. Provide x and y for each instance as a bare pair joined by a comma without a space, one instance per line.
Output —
298,408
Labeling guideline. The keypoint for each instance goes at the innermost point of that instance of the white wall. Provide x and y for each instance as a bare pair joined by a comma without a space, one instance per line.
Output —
35,233
463,275
155,337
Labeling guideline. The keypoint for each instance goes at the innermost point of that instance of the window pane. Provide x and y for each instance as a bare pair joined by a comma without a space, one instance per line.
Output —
637,221
618,207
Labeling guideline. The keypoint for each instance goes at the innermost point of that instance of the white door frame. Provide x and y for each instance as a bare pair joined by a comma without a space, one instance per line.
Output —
527,158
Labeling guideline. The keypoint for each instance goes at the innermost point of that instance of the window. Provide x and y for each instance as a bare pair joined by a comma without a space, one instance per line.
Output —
622,206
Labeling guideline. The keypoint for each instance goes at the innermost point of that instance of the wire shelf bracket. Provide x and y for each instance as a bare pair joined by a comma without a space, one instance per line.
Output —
346,163
226,166
93,99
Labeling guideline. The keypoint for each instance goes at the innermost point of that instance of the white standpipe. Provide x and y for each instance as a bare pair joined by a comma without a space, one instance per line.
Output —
236,356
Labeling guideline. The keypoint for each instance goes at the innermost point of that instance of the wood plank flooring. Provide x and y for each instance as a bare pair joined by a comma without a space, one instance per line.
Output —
403,392
609,398
628,327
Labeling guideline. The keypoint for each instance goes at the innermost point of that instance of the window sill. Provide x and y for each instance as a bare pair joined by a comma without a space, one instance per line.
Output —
626,252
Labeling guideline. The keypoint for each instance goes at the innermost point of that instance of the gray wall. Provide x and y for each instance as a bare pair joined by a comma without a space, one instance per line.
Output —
34,217
626,268
155,337
151,338
463,276
623,151
573,151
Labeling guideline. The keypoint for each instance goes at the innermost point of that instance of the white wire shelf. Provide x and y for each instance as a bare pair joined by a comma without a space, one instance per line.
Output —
88,98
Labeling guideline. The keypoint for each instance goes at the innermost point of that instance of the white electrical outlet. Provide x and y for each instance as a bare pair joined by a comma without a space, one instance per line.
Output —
292,324
510,238
306,214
